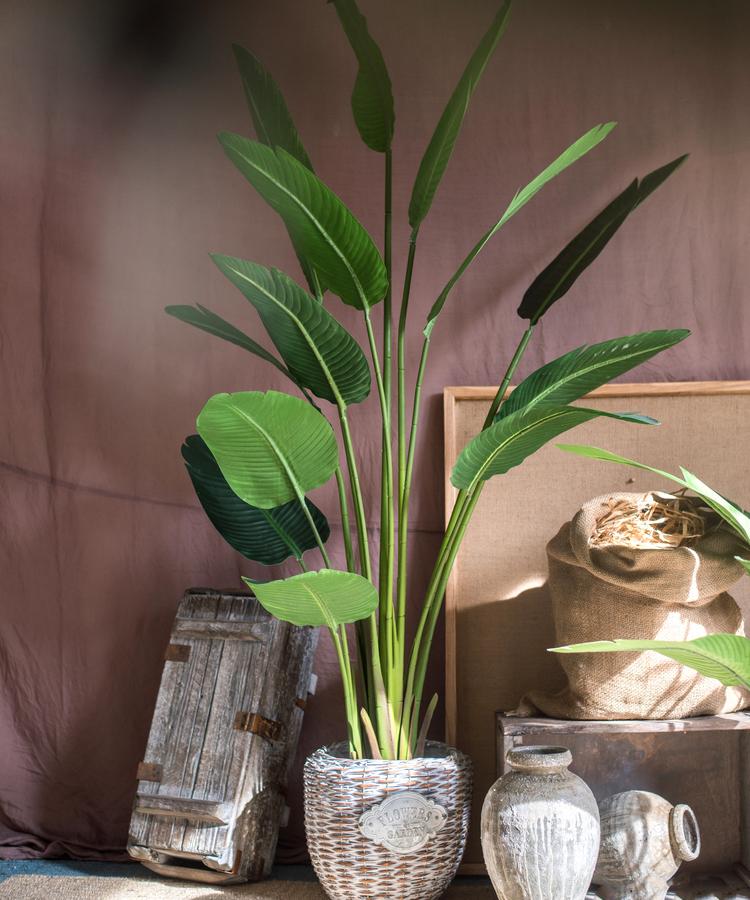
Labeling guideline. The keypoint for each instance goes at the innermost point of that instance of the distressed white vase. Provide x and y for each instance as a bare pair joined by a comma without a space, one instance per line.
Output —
540,828
644,841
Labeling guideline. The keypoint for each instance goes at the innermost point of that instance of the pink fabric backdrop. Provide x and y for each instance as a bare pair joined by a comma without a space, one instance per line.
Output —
113,191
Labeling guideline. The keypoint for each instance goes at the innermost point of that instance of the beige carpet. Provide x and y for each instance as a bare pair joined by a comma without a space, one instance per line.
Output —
70,887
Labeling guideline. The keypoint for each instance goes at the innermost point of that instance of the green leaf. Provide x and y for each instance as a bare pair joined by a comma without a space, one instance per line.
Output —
273,124
327,597
577,373
440,148
271,448
320,353
507,442
324,231
271,118
267,536
559,276
729,511
576,150
725,657
203,318
372,99
744,562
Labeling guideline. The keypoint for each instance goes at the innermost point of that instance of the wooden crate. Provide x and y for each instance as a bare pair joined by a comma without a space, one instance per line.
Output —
667,757
210,795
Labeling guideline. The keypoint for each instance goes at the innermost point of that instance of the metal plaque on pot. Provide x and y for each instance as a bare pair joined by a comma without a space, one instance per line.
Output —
403,823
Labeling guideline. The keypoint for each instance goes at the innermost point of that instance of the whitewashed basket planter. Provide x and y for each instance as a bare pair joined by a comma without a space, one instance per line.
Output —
387,829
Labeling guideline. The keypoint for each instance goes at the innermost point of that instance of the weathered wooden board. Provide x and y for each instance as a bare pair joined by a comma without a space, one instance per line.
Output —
210,794
498,609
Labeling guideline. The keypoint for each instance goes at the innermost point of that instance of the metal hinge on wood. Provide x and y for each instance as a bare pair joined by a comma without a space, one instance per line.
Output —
257,724
149,772
177,653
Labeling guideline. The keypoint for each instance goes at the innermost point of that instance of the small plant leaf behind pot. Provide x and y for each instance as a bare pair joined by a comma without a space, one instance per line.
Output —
267,536
271,448
560,275
577,373
443,140
323,229
372,98
508,442
327,597
319,352
725,657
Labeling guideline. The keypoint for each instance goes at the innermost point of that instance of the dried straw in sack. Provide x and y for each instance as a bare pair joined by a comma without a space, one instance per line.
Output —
640,566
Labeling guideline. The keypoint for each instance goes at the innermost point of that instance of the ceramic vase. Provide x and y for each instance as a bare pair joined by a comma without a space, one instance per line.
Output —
540,828
644,841
387,829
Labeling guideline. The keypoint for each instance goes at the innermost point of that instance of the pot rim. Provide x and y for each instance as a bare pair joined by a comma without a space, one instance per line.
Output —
438,753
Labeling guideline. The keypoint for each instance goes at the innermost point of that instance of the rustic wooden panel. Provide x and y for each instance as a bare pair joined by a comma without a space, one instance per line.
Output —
221,794
498,612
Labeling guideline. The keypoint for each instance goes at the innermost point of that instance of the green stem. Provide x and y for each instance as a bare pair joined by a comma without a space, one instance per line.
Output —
318,539
505,383
344,505
350,698
359,506
386,585
454,533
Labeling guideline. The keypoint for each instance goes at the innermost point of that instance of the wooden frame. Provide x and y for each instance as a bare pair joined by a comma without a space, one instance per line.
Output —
684,398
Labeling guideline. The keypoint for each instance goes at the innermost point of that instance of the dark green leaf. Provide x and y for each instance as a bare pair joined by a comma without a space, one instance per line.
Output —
725,657
575,374
271,448
324,230
559,276
271,118
327,597
203,318
440,148
576,150
320,353
507,442
372,99
267,536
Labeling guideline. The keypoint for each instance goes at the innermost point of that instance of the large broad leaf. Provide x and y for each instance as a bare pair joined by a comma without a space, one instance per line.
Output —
323,229
576,150
440,148
267,536
558,277
327,597
372,99
733,514
271,118
507,442
320,353
577,373
271,448
273,123
725,657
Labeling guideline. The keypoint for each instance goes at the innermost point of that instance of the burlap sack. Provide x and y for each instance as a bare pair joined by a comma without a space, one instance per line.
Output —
602,593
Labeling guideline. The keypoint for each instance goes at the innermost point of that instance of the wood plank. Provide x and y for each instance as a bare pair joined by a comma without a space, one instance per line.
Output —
512,725
182,808
220,630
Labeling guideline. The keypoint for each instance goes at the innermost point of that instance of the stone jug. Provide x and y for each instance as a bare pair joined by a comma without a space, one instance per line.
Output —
644,839
540,828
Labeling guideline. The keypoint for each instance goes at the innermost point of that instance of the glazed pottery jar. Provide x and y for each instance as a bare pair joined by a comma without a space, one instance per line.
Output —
387,829
644,841
540,828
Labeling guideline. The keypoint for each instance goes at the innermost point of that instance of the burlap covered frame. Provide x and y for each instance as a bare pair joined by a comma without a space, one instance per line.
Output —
498,619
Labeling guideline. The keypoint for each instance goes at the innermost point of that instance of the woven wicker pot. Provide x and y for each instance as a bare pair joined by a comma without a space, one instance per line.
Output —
387,829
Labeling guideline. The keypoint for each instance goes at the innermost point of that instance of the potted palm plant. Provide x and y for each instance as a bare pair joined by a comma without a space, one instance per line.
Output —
386,811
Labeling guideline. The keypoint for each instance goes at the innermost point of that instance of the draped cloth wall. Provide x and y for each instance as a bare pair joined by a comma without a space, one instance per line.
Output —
112,191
